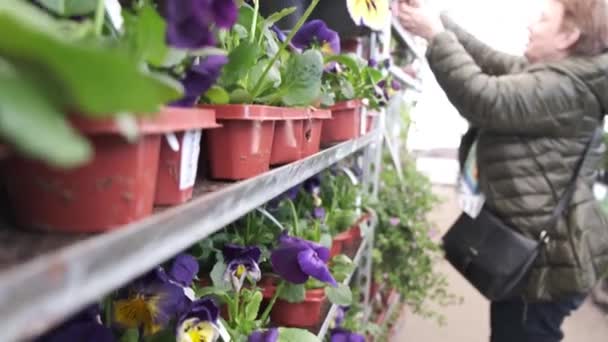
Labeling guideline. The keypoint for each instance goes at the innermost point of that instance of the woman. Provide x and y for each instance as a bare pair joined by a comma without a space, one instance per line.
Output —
553,100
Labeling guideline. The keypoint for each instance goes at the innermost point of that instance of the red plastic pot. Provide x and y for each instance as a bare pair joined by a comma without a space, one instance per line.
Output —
177,167
338,243
306,314
241,148
369,123
288,136
115,188
313,127
345,123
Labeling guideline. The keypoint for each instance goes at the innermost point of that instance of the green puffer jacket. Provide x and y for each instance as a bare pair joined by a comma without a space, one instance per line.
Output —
554,108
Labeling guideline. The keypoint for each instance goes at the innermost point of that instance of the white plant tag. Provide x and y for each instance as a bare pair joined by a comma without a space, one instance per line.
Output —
189,293
223,332
600,191
191,146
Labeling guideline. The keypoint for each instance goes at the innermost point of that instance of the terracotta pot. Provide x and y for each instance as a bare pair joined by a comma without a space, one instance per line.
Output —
288,136
345,123
115,188
369,124
313,127
177,167
242,148
306,314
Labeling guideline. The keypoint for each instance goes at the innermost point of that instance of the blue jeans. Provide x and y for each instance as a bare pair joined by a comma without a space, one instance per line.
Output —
516,321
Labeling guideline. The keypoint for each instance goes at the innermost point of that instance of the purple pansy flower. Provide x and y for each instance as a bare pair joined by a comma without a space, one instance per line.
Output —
149,303
189,22
184,269
343,335
394,221
84,326
372,63
199,78
198,323
225,12
395,85
270,335
241,263
316,33
297,259
312,185
319,213
282,37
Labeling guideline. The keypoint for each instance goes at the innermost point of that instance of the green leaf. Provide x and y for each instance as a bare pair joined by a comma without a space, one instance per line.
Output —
240,96
302,79
296,335
347,89
69,8
34,125
347,60
374,75
253,307
326,240
241,31
272,79
340,295
217,95
217,275
131,335
92,76
150,33
166,335
275,17
293,293
240,61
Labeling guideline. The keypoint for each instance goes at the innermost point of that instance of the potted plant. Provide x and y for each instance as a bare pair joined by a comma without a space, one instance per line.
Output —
70,176
260,76
354,84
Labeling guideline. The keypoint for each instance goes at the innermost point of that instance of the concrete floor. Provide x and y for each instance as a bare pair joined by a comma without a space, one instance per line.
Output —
469,322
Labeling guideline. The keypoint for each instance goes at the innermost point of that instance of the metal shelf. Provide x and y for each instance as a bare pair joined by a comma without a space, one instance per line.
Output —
334,308
44,278
407,38
405,78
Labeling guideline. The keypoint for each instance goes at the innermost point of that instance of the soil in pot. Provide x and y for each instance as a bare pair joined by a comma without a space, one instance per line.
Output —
241,148
115,188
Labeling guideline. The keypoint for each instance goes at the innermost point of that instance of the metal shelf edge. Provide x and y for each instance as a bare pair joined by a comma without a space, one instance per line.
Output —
407,38
405,78
334,308
44,291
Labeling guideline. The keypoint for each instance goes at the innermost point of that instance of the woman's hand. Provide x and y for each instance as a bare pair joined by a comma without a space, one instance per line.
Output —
417,18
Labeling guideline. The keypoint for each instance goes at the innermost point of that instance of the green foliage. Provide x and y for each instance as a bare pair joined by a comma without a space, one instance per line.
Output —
69,8
354,80
292,335
259,71
59,66
293,293
340,295
405,254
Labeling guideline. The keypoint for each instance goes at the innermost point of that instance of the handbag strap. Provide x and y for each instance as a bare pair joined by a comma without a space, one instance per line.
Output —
566,197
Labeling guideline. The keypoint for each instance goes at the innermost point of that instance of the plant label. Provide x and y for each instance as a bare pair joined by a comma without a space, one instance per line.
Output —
191,147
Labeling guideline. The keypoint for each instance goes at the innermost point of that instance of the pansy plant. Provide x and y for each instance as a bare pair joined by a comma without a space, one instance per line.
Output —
260,68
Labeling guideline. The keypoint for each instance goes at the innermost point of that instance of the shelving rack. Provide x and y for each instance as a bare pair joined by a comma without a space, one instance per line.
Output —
356,260
45,278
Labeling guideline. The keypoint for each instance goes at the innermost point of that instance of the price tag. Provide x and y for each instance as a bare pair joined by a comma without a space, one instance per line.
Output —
223,331
191,146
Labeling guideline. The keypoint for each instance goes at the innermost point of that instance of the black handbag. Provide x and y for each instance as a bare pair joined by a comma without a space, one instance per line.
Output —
494,257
